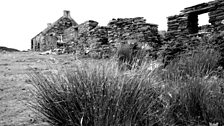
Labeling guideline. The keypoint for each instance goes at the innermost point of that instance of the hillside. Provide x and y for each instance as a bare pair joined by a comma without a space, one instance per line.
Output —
2,48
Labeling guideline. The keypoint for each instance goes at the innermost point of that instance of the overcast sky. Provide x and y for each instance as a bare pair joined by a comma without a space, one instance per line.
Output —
21,20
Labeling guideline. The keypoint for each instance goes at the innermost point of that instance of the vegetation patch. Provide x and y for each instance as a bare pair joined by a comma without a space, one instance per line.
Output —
186,91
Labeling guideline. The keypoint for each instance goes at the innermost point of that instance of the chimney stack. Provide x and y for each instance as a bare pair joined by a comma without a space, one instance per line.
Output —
67,13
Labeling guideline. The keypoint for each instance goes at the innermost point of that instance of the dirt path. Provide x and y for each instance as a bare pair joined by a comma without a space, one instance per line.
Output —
15,85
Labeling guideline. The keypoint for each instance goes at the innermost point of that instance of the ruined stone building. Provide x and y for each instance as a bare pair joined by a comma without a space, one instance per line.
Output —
89,35
55,34
97,39
187,21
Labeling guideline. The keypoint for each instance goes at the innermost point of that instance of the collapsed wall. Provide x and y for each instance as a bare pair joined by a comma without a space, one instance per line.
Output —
92,39
124,29
66,36
102,41
187,21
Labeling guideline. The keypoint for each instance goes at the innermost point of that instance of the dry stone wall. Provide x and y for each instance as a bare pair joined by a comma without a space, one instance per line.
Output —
94,41
124,29
97,41
102,41
217,15
177,24
187,21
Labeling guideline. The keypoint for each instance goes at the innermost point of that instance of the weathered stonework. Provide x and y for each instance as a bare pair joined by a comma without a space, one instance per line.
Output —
70,34
53,34
97,41
187,21
134,30
100,40
92,38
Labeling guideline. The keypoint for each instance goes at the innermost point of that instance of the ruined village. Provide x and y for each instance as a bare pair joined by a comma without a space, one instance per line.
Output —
127,73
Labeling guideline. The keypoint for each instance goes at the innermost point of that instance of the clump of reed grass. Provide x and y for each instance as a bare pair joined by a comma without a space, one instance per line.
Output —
96,95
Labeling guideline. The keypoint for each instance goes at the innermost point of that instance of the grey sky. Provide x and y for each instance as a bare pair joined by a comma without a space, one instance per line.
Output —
23,19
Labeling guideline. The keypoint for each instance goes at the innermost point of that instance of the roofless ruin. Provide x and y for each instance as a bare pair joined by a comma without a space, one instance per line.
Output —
187,21
99,39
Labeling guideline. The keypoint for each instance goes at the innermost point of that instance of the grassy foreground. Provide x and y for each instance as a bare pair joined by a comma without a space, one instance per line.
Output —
187,92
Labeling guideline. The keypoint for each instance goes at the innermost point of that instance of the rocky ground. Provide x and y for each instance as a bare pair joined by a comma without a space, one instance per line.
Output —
15,85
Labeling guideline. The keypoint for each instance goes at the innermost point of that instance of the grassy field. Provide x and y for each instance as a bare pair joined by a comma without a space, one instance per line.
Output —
15,84
60,90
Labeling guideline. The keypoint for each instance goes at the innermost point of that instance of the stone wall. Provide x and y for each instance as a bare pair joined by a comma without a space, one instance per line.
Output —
187,21
102,41
97,41
125,29
177,25
217,15
70,34
49,43
93,39
36,42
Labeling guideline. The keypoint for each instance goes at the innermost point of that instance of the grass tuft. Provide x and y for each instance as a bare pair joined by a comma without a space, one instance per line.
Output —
96,95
